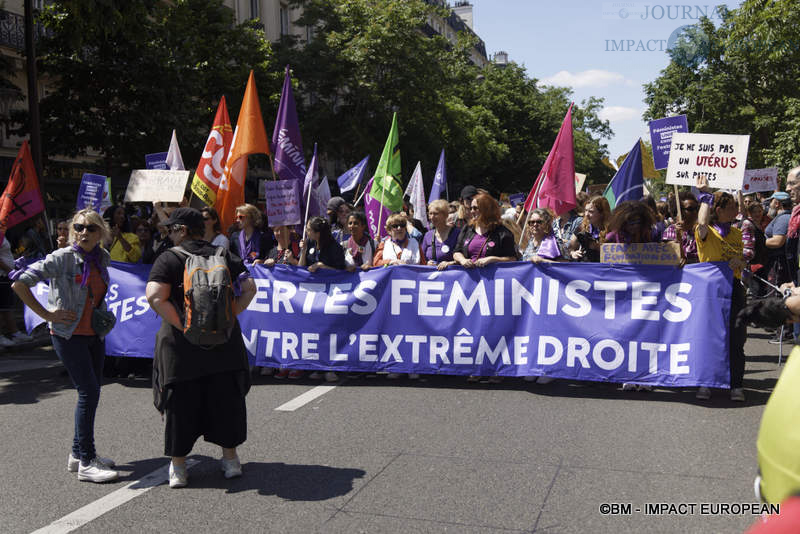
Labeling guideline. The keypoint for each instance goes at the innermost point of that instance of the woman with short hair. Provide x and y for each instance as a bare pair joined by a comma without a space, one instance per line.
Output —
439,243
250,243
398,248
78,282
542,244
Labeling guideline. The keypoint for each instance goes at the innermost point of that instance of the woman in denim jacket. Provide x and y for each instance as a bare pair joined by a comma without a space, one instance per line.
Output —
78,277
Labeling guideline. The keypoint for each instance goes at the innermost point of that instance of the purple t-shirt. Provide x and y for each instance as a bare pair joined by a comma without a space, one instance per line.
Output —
475,248
444,250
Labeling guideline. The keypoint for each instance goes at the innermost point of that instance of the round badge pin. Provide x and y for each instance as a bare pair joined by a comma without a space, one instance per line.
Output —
445,249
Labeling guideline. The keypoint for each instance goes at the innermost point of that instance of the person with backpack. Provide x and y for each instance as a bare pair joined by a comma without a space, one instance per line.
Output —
200,369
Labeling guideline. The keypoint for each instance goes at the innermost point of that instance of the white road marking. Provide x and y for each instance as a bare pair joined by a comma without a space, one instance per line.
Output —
305,398
95,509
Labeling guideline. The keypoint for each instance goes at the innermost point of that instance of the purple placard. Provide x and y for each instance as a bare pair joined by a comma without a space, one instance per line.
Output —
283,202
516,198
661,131
90,193
156,162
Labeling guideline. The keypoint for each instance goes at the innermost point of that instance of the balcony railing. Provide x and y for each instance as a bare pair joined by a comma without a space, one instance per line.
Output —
12,30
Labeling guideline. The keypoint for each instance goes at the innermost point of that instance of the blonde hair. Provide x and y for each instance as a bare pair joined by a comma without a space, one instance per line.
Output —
440,205
90,217
250,211
396,218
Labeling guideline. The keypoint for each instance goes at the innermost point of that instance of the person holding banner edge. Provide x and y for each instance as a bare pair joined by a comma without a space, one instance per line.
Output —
718,240
78,282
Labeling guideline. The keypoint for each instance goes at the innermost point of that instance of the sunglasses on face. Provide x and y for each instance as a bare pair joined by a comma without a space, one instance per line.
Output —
91,228
534,223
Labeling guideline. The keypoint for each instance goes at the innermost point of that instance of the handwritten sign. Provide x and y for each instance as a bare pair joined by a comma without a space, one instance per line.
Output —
90,193
719,158
580,179
283,202
156,186
661,132
760,180
668,253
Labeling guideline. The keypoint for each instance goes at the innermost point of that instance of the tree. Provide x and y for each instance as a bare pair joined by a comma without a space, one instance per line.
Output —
129,71
369,58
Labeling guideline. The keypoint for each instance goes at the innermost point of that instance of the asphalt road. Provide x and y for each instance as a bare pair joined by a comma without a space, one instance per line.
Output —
374,455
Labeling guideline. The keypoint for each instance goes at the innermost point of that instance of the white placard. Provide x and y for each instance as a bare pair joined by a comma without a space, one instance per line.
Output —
756,180
720,158
156,186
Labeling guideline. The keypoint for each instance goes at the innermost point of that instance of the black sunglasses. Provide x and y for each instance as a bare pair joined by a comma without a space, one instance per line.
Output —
91,228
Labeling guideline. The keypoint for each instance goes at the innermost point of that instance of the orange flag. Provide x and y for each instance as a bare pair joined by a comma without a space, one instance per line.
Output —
250,137
212,163
21,198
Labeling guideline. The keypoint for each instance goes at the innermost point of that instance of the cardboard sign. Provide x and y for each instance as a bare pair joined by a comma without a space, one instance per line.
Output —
720,158
668,253
283,202
580,179
756,180
156,186
661,132
90,193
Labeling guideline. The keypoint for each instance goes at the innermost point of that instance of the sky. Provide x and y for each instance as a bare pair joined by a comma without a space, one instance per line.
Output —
576,43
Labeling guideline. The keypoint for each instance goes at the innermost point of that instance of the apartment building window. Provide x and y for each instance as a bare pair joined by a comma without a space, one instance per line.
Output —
254,14
284,14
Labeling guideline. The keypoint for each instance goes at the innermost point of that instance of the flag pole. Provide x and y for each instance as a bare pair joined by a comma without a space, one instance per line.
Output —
308,203
272,168
358,188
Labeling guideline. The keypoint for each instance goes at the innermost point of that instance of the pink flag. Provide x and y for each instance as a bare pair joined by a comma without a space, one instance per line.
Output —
554,188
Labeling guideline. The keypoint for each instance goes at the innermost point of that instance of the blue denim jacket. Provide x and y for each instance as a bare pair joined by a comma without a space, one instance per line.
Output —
61,267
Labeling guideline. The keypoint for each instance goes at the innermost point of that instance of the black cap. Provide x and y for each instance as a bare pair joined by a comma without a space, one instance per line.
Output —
469,191
189,217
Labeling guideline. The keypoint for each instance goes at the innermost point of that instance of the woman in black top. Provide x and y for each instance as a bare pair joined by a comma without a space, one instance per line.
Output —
320,250
584,245
485,240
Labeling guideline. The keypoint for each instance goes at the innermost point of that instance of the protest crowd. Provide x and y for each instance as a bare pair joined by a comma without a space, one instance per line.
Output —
201,374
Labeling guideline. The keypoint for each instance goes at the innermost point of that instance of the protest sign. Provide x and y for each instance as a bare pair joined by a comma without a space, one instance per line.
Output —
756,180
585,321
661,132
283,202
640,253
156,162
516,198
156,186
721,159
579,181
90,192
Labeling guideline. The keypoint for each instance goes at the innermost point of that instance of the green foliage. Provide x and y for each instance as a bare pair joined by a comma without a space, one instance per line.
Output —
741,80
129,71
372,57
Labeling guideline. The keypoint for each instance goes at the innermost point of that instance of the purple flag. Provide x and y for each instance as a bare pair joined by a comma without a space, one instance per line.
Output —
290,164
439,181
377,214
350,179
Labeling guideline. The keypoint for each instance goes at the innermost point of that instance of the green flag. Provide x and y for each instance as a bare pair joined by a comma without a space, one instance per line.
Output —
386,187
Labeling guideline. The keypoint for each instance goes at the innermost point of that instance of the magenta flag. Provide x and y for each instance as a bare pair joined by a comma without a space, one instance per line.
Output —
554,188
377,214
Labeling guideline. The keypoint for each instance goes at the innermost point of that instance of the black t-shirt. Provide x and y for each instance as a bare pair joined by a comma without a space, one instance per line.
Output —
176,359
280,256
332,255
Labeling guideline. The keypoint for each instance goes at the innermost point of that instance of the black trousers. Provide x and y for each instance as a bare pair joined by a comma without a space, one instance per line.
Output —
211,406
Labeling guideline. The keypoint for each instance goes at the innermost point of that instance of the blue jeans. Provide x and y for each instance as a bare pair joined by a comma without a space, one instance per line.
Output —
83,358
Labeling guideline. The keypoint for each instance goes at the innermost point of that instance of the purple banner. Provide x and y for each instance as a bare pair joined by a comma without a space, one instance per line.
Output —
661,131
156,162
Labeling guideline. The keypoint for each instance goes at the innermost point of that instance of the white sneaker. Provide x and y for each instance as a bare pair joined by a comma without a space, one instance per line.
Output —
330,376
627,386
5,342
96,472
19,337
178,476
544,379
737,394
703,393
232,468
74,463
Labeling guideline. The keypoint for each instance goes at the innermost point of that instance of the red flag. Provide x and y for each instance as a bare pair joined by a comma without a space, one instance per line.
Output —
250,137
212,164
22,198
555,186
